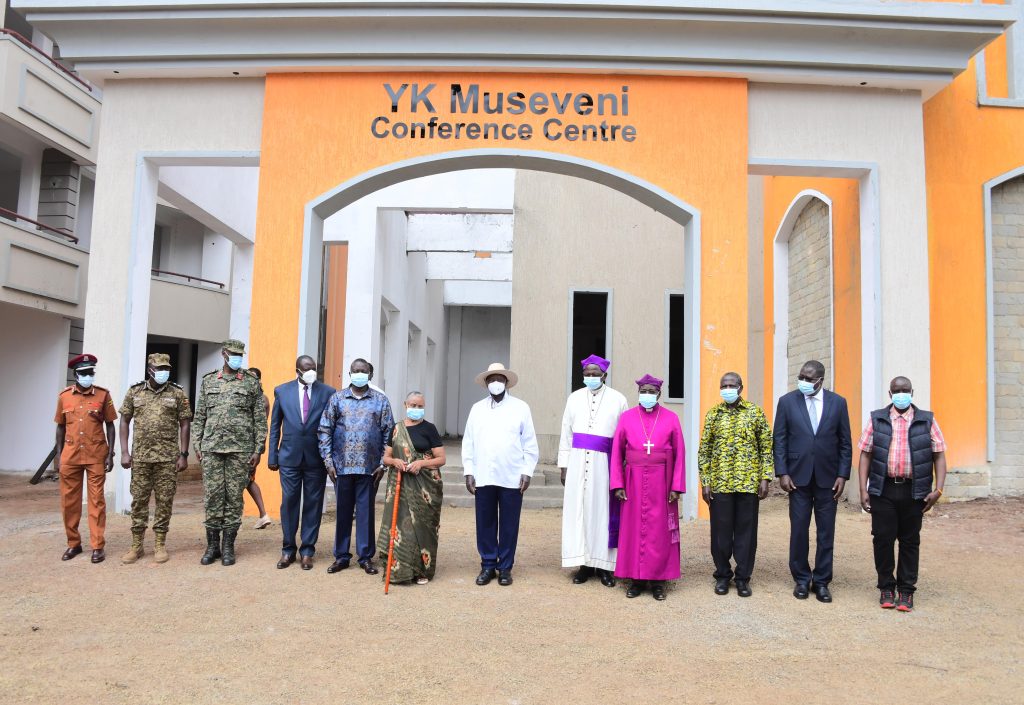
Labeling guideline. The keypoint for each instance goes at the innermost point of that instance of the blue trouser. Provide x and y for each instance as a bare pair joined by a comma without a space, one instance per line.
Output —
497,525
354,492
802,501
302,486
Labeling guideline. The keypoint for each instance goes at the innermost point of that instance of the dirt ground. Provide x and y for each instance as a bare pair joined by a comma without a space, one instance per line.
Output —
183,633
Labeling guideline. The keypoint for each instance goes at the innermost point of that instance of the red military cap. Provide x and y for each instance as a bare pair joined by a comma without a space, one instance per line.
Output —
83,360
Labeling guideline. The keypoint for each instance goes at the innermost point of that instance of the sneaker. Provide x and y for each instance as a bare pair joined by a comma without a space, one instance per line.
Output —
887,600
906,602
263,522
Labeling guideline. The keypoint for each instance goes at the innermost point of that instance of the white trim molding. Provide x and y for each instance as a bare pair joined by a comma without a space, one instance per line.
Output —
780,285
990,318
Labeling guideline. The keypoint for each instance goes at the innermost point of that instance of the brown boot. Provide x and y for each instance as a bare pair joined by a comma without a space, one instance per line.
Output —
160,553
135,552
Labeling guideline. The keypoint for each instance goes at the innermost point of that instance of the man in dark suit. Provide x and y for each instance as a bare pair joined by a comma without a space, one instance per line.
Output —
298,405
813,457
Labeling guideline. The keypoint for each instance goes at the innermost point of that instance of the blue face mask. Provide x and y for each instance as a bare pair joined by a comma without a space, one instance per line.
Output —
235,361
161,376
729,394
415,414
359,379
648,400
902,400
592,383
85,381
805,387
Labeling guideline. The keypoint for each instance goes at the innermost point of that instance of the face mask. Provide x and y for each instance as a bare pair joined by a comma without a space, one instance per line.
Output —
235,361
901,400
85,381
161,376
807,388
360,379
496,388
308,377
592,383
729,394
415,414
648,401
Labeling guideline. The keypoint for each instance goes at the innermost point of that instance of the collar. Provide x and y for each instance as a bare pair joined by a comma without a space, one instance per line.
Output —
150,387
895,413
496,404
743,405
90,391
819,395
347,392
220,374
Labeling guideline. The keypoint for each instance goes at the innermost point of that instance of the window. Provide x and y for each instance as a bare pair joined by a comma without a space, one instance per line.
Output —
589,334
676,346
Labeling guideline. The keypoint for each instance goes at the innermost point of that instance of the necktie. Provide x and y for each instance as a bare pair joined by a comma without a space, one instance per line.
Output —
305,402
813,408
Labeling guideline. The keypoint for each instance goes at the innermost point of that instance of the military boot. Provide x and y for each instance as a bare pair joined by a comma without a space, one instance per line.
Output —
160,552
135,552
212,547
229,546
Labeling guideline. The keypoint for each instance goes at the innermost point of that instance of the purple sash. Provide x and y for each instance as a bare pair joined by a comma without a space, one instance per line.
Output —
586,441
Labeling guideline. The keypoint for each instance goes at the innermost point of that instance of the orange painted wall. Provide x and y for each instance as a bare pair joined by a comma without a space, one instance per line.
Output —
692,142
779,193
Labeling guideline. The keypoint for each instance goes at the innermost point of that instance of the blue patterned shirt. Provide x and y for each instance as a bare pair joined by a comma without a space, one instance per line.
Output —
353,430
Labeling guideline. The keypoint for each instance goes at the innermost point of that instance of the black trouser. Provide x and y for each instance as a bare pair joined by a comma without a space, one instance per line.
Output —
733,533
802,501
896,515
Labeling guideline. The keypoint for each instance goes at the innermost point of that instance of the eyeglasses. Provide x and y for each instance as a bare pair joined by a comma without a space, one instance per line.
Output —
805,378
85,371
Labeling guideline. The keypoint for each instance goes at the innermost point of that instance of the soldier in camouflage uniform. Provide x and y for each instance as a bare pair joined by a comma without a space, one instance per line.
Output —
228,434
162,417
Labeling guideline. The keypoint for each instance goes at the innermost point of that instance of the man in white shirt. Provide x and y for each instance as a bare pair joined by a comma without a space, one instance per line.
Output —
588,424
499,454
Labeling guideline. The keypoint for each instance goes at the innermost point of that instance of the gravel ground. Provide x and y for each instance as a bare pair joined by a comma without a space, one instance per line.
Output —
183,633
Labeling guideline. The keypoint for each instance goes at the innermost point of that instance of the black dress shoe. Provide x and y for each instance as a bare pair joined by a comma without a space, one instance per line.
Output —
486,576
635,589
504,577
800,591
658,591
337,566
582,575
743,588
607,578
821,593
722,586
368,567
71,553
98,555
286,560
307,562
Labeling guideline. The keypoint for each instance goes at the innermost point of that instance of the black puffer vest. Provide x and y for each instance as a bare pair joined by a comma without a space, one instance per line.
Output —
920,441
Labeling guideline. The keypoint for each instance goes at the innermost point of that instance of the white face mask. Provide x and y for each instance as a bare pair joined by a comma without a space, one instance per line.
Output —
495,387
308,377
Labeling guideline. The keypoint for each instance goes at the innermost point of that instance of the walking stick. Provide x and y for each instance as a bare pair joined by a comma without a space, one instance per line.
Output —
394,531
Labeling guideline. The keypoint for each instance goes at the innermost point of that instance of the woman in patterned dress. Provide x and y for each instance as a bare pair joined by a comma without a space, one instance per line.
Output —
415,449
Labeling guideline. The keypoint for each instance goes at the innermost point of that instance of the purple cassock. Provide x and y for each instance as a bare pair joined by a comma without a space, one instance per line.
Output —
648,461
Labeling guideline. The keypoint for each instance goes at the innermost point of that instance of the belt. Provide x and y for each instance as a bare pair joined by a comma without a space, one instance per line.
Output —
898,480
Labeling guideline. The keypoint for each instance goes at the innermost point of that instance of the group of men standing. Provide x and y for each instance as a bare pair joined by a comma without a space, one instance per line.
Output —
623,469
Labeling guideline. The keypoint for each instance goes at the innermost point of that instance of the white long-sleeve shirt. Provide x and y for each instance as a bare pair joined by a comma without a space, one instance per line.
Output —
499,443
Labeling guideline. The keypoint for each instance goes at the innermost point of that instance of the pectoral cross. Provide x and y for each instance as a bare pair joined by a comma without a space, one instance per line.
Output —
648,445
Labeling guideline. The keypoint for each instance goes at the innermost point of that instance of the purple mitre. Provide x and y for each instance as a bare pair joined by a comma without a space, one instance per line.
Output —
595,360
650,379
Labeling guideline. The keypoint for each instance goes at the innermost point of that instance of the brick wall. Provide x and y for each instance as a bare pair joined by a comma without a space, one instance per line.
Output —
810,301
1007,472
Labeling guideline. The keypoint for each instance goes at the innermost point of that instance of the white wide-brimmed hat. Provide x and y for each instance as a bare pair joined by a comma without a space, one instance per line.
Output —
496,368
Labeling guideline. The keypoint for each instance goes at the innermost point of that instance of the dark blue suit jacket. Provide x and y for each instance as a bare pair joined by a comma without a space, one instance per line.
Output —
804,455
292,442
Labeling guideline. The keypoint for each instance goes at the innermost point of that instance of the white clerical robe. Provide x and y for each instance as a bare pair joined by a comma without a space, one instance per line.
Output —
585,504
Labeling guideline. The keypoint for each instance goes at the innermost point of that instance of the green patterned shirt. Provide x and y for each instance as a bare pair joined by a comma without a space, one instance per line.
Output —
735,451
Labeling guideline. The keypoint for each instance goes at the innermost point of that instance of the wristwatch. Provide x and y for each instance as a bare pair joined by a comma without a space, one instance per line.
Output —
183,454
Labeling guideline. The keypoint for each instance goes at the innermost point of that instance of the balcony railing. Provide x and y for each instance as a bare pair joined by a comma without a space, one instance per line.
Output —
187,277
60,232
59,66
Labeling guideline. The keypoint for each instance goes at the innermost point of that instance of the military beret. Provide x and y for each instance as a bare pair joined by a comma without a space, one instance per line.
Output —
83,360
158,359
234,346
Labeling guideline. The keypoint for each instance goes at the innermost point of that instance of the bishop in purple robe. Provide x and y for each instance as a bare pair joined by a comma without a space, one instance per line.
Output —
647,467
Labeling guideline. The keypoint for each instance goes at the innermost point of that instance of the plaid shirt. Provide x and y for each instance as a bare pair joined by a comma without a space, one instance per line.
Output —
899,450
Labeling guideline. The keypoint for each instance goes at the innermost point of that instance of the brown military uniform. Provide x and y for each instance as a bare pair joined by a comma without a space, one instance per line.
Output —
157,415
83,412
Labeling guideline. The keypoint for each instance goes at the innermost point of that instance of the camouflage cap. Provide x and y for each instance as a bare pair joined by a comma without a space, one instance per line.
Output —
158,360
234,346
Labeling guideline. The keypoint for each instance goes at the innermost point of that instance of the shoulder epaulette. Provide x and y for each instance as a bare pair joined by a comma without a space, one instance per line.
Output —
102,389
137,384
211,373
175,384
67,388
252,374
